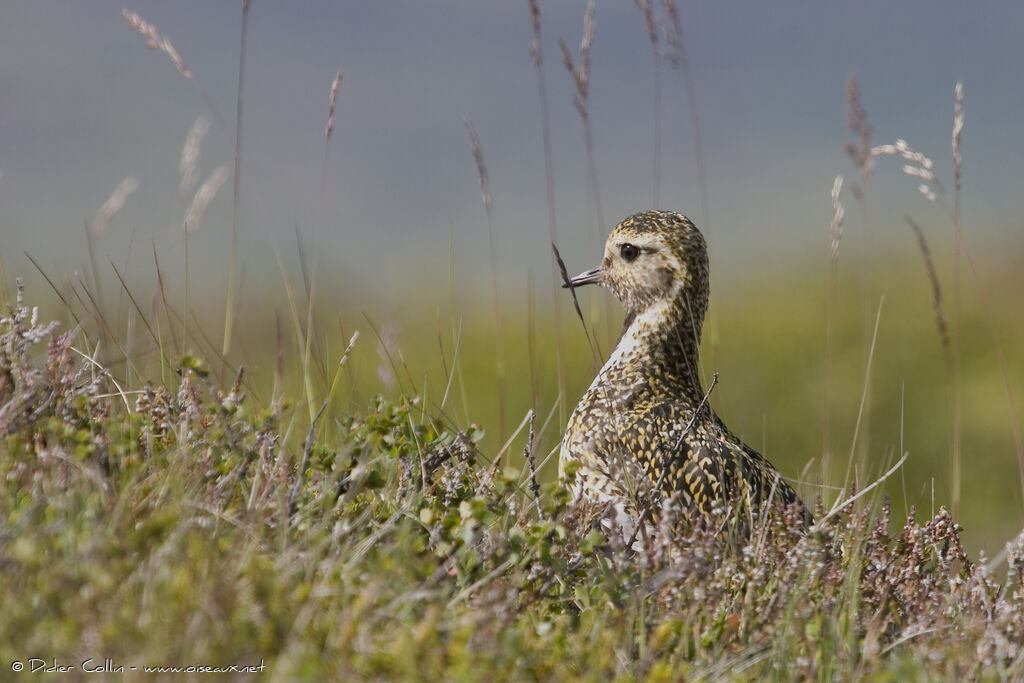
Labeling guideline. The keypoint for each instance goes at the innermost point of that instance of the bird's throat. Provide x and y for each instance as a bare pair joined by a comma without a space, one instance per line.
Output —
663,340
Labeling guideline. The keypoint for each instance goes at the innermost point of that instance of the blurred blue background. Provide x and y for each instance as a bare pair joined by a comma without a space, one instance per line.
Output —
83,104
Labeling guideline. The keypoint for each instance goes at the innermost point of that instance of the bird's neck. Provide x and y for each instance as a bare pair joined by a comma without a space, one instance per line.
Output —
662,340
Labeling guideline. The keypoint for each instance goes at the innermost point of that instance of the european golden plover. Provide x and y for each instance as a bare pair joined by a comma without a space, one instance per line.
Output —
643,432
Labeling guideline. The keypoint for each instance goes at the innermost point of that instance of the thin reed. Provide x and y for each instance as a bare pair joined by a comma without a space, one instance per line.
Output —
537,56
499,329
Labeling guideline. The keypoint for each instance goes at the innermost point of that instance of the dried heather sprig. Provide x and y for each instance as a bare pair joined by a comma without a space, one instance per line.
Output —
154,41
190,154
333,102
114,203
203,197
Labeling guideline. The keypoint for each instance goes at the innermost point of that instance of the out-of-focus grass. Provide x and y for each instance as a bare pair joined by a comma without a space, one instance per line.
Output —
766,338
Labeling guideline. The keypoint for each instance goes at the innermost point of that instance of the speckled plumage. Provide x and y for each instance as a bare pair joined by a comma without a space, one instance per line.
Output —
629,432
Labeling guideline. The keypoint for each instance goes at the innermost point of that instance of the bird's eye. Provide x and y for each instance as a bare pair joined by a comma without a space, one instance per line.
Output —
629,251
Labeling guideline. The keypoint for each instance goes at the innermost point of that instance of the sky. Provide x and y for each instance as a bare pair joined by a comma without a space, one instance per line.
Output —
84,104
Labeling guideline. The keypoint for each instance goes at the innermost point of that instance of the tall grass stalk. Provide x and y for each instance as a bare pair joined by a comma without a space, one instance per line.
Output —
65,303
99,227
94,277
531,340
229,306
652,35
860,153
485,192
580,74
456,333
105,329
680,58
537,55
836,233
142,316
188,171
863,396
165,309
581,99
194,217
958,127
293,306
958,249
948,356
921,169
311,290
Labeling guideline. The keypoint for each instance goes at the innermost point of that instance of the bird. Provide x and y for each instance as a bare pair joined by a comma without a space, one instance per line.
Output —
644,433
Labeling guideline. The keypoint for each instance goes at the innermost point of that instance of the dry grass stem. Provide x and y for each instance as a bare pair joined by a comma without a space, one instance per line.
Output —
537,56
333,102
204,195
312,279
567,281
836,233
581,98
679,57
838,213
864,395
958,129
485,192
933,278
154,41
481,167
921,167
651,23
114,203
857,121
230,303
189,163
580,73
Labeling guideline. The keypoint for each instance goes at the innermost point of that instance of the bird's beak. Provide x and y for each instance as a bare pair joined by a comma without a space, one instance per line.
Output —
589,277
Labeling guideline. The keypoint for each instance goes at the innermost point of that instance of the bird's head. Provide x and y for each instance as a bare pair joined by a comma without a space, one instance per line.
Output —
654,257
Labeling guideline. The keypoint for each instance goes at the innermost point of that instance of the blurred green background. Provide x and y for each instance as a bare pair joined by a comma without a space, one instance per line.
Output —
765,336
